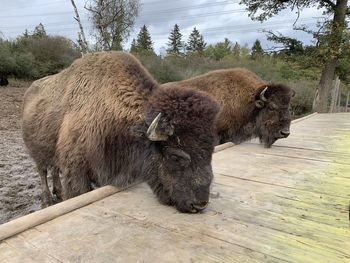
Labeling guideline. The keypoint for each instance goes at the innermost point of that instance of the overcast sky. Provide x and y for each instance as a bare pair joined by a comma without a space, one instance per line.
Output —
215,19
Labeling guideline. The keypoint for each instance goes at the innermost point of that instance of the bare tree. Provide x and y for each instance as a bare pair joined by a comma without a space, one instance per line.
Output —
112,20
81,35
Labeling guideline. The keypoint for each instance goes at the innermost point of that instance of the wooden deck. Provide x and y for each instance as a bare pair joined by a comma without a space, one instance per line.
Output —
284,204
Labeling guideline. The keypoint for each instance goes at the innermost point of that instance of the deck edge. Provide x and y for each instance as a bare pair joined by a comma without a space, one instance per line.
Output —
26,222
304,118
223,146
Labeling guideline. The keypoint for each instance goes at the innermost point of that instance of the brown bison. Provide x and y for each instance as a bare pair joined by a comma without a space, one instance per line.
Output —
104,120
250,107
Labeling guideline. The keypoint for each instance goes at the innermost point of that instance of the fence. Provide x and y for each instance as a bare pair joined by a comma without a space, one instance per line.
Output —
340,98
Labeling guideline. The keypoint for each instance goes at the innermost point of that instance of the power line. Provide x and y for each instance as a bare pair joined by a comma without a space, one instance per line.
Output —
165,11
44,14
140,23
40,5
51,26
185,8
229,29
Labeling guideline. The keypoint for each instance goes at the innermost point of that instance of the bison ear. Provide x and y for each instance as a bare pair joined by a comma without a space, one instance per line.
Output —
293,92
139,130
159,130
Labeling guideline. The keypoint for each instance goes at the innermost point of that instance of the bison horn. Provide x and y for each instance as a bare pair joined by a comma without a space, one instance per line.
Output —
262,94
151,132
293,92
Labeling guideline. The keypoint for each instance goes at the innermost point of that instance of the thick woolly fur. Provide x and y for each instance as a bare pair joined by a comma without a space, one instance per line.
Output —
237,90
91,121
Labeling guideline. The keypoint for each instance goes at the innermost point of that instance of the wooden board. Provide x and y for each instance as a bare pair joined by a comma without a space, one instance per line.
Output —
284,204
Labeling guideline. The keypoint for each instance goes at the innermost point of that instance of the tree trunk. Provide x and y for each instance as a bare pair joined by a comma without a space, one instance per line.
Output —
334,94
321,97
82,40
338,25
347,101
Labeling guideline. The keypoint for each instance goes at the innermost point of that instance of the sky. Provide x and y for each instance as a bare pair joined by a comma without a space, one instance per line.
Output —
215,19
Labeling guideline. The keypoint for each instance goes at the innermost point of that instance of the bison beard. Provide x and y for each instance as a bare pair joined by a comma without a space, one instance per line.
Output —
105,120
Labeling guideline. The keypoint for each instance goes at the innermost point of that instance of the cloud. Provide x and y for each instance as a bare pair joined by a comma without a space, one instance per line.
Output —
215,20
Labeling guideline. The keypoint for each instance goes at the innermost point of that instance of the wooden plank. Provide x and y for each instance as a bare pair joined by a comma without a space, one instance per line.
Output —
287,172
222,147
82,237
219,222
16,250
298,153
26,222
303,118
303,204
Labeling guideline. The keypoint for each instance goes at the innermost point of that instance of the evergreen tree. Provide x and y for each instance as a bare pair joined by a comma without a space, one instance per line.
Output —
39,31
236,50
175,44
257,50
144,41
245,51
196,42
219,50
26,33
133,47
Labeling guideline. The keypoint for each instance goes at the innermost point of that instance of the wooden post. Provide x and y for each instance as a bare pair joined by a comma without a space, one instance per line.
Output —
81,35
339,100
347,101
334,94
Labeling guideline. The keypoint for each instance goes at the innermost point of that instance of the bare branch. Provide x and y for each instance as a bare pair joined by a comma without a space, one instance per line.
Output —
81,35
113,20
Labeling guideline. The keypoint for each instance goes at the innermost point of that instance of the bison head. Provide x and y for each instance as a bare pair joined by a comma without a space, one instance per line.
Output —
273,120
179,129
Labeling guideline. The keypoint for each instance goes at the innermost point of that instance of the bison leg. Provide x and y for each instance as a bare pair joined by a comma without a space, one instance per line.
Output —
57,186
46,199
75,183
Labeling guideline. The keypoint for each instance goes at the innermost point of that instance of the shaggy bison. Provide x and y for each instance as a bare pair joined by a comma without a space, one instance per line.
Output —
250,107
105,120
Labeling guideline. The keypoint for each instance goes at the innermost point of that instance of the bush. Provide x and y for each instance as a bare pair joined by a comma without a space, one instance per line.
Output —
7,61
32,57
301,103
174,68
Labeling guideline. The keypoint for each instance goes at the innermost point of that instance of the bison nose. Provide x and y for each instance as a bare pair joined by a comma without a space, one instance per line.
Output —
200,206
285,133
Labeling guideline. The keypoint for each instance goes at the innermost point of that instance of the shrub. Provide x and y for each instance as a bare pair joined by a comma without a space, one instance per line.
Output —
32,57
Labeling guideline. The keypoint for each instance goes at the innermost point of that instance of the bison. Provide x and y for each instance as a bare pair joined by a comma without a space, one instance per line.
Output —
3,81
250,106
105,120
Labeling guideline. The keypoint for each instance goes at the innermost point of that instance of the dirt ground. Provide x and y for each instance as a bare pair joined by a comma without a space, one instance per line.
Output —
19,182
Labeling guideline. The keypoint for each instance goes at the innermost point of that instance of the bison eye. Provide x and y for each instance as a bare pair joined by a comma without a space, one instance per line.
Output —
273,106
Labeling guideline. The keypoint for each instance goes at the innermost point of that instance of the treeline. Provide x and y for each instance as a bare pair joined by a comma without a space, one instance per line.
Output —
35,55
294,64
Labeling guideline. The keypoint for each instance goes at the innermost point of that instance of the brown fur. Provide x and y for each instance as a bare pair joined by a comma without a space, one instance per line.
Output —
91,119
237,90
